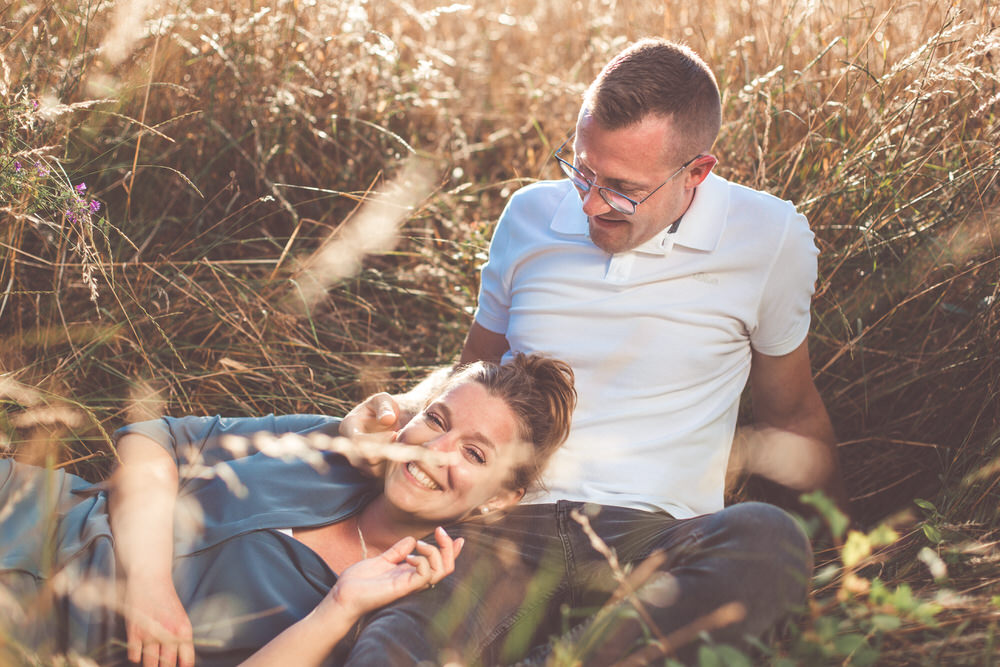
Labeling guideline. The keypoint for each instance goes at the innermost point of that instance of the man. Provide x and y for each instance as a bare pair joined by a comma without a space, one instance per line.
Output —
666,288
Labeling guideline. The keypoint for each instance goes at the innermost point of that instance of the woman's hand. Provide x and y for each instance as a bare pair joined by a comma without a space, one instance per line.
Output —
157,628
377,418
379,413
363,587
375,582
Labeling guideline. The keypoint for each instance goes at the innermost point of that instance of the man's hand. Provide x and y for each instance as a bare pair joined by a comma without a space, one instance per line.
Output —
157,628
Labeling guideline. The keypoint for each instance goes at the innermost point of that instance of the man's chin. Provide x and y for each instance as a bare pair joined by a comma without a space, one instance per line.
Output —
609,235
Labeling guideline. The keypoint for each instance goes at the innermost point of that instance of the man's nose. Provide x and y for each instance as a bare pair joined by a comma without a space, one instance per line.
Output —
593,202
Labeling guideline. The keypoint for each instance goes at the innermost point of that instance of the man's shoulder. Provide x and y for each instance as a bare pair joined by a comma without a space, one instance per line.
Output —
532,209
743,196
544,194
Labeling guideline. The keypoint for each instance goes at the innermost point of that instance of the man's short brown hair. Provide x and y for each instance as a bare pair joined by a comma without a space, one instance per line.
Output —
661,78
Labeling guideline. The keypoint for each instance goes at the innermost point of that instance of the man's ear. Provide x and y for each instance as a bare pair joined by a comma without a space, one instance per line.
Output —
699,170
504,499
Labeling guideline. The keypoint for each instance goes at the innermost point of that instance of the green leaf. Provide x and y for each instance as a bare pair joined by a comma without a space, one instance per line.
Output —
836,519
926,505
886,622
932,533
865,655
882,536
857,548
707,657
848,644
722,655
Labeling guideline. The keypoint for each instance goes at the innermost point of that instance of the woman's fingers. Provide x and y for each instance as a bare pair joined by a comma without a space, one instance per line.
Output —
185,655
151,650
400,550
434,563
449,548
434,560
386,410
151,655
421,565
168,655
378,413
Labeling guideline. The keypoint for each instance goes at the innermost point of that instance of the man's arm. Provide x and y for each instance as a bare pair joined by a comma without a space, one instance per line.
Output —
483,345
792,441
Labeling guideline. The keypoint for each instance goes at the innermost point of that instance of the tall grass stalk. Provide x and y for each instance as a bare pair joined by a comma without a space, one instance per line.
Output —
224,149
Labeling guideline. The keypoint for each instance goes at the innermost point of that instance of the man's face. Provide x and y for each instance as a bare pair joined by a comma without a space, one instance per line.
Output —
634,161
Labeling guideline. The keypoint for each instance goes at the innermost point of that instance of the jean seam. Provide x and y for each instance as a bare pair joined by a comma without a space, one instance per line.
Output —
503,627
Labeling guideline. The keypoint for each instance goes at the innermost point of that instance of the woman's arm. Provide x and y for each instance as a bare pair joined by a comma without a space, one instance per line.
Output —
361,588
143,492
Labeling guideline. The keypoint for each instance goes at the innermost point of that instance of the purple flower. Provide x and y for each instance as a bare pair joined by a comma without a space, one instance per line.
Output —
81,187
42,171
95,206
17,167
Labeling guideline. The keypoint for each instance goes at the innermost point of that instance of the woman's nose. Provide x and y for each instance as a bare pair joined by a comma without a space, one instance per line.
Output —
442,443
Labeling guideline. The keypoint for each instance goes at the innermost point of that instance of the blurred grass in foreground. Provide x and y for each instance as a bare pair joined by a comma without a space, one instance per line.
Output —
172,181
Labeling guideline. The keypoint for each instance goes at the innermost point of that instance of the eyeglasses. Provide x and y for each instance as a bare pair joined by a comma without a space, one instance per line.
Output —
613,198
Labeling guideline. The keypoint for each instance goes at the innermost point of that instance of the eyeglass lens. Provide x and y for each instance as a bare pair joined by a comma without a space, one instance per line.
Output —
612,198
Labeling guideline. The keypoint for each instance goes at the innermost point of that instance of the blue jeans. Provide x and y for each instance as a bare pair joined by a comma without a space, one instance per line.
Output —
535,575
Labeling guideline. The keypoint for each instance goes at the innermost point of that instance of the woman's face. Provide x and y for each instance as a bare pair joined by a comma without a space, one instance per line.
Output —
481,433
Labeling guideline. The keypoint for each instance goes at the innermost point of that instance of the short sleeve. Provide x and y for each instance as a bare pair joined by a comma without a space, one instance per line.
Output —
784,312
493,311
199,439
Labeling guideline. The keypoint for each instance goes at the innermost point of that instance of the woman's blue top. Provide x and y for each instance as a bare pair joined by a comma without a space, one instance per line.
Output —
241,581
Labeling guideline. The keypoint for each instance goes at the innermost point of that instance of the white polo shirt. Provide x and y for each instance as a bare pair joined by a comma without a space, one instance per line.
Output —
659,337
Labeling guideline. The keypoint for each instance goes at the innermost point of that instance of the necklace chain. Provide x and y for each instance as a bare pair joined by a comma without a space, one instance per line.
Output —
361,536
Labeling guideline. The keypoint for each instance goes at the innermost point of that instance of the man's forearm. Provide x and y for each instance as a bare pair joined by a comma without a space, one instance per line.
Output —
800,462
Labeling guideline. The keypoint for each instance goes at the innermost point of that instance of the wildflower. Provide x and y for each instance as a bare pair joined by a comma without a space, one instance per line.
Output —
41,170
17,167
81,187
95,206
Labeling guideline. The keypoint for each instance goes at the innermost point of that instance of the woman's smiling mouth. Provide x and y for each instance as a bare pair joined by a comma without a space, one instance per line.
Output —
421,477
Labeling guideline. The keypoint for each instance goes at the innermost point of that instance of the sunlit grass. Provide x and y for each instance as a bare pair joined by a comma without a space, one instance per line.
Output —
227,149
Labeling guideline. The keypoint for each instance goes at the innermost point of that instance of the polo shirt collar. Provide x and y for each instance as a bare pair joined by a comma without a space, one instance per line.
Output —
704,222
700,228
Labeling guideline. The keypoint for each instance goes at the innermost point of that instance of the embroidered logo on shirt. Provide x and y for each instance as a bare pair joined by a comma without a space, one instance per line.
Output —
706,278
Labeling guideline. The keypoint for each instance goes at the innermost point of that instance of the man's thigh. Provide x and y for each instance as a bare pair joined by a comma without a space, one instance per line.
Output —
545,569
732,573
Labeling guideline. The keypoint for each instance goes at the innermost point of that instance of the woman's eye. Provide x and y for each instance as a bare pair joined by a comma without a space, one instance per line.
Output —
475,455
434,419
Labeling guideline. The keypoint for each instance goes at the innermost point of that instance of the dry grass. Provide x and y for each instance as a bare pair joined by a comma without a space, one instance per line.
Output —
232,146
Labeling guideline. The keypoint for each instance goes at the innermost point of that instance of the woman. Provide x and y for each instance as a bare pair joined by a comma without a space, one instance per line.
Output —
258,557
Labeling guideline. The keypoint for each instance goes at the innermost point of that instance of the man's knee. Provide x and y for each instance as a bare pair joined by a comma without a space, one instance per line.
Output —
763,528
767,545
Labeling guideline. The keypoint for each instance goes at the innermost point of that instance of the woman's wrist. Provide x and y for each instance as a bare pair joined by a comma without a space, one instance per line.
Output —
335,608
